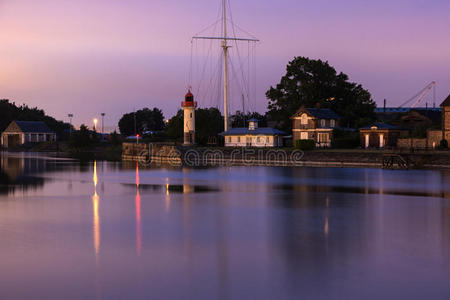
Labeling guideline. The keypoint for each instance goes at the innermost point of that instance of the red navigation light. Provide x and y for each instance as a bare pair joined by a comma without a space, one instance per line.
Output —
137,135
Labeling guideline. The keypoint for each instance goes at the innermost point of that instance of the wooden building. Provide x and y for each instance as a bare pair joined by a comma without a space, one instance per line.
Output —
379,135
253,136
446,119
315,124
21,132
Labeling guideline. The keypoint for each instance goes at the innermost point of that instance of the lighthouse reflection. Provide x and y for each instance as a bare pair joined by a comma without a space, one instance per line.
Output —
138,214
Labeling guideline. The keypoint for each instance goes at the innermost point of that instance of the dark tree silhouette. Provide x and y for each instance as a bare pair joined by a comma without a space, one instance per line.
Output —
308,82
146,120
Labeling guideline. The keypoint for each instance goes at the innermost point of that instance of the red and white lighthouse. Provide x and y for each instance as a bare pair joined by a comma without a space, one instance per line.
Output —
189,106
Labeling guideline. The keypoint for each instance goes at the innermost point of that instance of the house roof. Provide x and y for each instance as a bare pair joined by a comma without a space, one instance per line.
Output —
32,126
381,126
446,101
257,131
319,113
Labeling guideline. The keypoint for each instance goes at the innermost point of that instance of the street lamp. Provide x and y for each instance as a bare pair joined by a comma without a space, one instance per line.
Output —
95,124
103,119
70,121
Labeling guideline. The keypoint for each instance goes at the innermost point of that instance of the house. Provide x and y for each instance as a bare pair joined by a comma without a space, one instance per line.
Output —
379,135
446,119
315,124
253,136
20,132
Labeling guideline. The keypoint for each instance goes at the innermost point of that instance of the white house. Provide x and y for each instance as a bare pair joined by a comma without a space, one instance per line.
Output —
21,132
253,136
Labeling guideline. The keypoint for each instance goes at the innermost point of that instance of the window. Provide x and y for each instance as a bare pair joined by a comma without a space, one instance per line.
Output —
304,119
229,139
239,139
323,137
322,123
258,139
267,140
332,123
191,115
303,135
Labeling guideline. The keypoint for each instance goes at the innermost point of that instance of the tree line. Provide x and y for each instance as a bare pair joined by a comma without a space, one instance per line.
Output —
9,112
306,83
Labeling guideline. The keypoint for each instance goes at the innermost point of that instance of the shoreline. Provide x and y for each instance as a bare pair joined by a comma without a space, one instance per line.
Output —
203,156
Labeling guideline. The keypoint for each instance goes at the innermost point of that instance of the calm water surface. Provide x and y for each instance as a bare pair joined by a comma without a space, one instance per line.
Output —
112,231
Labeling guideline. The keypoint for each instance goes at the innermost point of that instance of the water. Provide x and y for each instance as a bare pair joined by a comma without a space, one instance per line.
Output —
111,231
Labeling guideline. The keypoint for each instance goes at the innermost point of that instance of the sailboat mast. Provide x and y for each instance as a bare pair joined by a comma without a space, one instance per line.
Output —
225,65
224,38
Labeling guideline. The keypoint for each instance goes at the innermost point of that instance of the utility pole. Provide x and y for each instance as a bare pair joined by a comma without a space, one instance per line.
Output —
103,120
70,121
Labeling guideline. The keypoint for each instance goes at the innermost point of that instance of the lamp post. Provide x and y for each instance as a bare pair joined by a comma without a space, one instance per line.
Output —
103,119
70,121
95,124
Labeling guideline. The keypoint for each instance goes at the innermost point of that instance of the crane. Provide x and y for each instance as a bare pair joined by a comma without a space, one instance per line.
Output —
420,95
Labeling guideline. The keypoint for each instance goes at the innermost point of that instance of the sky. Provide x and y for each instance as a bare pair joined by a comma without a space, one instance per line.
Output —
86,57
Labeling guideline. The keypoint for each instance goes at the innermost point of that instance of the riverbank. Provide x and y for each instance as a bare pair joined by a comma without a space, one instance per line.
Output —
201,156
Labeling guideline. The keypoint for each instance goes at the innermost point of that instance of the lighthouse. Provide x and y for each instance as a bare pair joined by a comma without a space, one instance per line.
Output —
189,106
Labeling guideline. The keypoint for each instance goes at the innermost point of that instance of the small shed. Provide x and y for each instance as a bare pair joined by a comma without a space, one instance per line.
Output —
379,135
253,136
21,132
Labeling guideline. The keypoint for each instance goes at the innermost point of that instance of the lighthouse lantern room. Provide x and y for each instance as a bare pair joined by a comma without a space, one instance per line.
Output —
189,106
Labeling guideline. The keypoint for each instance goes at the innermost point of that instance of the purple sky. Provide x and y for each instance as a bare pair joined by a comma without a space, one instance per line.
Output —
113,56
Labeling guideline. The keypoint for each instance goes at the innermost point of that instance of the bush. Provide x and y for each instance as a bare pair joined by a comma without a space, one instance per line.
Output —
444,144
343,139
305,144
349,142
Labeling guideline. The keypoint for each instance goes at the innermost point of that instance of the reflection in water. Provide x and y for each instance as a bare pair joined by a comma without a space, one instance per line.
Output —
138,214
231,233
95,203
167,198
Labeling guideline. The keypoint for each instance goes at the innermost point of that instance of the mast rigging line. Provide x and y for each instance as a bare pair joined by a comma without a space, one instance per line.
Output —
224,38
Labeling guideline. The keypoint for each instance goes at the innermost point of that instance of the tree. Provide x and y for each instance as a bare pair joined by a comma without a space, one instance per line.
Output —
81,138
308,82
208,123
174,128
10,112
240,119
146,120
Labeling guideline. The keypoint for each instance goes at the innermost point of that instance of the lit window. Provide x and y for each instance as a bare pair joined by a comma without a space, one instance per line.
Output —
229,139
304,119
258,139
239,139
267,140
323,137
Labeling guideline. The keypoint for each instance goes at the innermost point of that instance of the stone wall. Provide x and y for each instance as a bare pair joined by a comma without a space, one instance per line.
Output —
408,143
151,153
434,138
